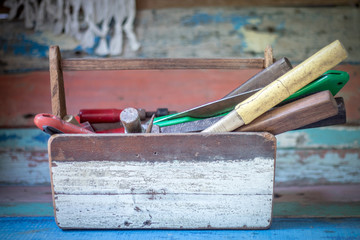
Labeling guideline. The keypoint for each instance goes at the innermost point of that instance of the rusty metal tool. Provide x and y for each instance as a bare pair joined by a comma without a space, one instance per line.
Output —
263,78
150,124
248,110
130,119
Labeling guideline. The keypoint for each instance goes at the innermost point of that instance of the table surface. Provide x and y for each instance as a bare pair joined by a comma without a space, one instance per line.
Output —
282,228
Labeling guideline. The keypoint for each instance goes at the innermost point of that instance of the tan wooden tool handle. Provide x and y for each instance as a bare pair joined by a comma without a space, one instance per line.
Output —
283,87
58,104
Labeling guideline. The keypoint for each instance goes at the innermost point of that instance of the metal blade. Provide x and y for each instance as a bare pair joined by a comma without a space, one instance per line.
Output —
213,108
195,126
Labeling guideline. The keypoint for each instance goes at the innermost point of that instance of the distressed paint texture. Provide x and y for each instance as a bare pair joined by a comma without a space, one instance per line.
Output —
171,194
206,32
308,201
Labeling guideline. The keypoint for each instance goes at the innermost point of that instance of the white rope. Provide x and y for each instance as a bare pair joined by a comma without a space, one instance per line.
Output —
82,19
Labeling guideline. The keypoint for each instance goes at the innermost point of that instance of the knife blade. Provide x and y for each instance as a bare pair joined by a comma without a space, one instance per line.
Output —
212,108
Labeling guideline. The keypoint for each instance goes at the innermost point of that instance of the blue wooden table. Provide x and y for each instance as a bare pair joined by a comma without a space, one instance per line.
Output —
282,228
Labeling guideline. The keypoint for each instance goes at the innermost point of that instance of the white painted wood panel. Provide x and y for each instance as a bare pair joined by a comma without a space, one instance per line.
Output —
164,211
167,194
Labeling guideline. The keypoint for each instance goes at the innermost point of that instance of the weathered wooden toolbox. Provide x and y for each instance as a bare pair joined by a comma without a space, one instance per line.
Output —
159,181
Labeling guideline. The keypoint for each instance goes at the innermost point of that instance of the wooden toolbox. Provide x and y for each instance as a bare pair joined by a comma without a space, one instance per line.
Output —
159,181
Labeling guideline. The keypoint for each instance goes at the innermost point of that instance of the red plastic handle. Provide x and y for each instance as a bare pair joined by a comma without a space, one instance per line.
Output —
45,119
100,115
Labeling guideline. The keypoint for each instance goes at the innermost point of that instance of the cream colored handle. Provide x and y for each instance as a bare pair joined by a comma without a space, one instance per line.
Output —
284,86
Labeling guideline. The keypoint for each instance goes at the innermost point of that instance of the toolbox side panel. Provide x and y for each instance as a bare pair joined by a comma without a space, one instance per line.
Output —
215,183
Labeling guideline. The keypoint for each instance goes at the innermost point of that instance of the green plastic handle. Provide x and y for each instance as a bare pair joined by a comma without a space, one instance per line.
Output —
331,80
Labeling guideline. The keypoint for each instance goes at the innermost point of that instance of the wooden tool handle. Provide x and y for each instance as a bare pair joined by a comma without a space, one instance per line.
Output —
339,118
294,115
56,83
282,88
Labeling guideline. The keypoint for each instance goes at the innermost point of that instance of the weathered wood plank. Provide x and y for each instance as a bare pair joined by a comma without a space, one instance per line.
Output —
156,148
24,95
24,167
31,139
98,183
158,4
159,64
323,166
337,137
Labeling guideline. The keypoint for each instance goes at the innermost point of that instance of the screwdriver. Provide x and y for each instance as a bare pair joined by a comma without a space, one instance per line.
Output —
112,115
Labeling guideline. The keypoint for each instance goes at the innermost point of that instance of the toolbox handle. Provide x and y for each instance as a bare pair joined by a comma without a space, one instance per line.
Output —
57,65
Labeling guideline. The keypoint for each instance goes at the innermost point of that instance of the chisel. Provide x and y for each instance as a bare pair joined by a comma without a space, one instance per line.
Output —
305,111
263,78
251,108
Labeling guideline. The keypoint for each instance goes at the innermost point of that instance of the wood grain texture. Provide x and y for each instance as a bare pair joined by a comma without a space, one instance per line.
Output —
294,115
160,64
263,78
339,118
178,181
58,102
268,56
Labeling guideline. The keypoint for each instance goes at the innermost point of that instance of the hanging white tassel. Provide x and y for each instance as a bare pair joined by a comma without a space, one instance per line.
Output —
62,16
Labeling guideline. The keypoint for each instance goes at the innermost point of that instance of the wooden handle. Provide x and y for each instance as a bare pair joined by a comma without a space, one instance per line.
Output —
339,118
131,120
294,115
283,87
58,104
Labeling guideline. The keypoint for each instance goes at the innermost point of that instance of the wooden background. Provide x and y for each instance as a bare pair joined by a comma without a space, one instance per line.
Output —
317,170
